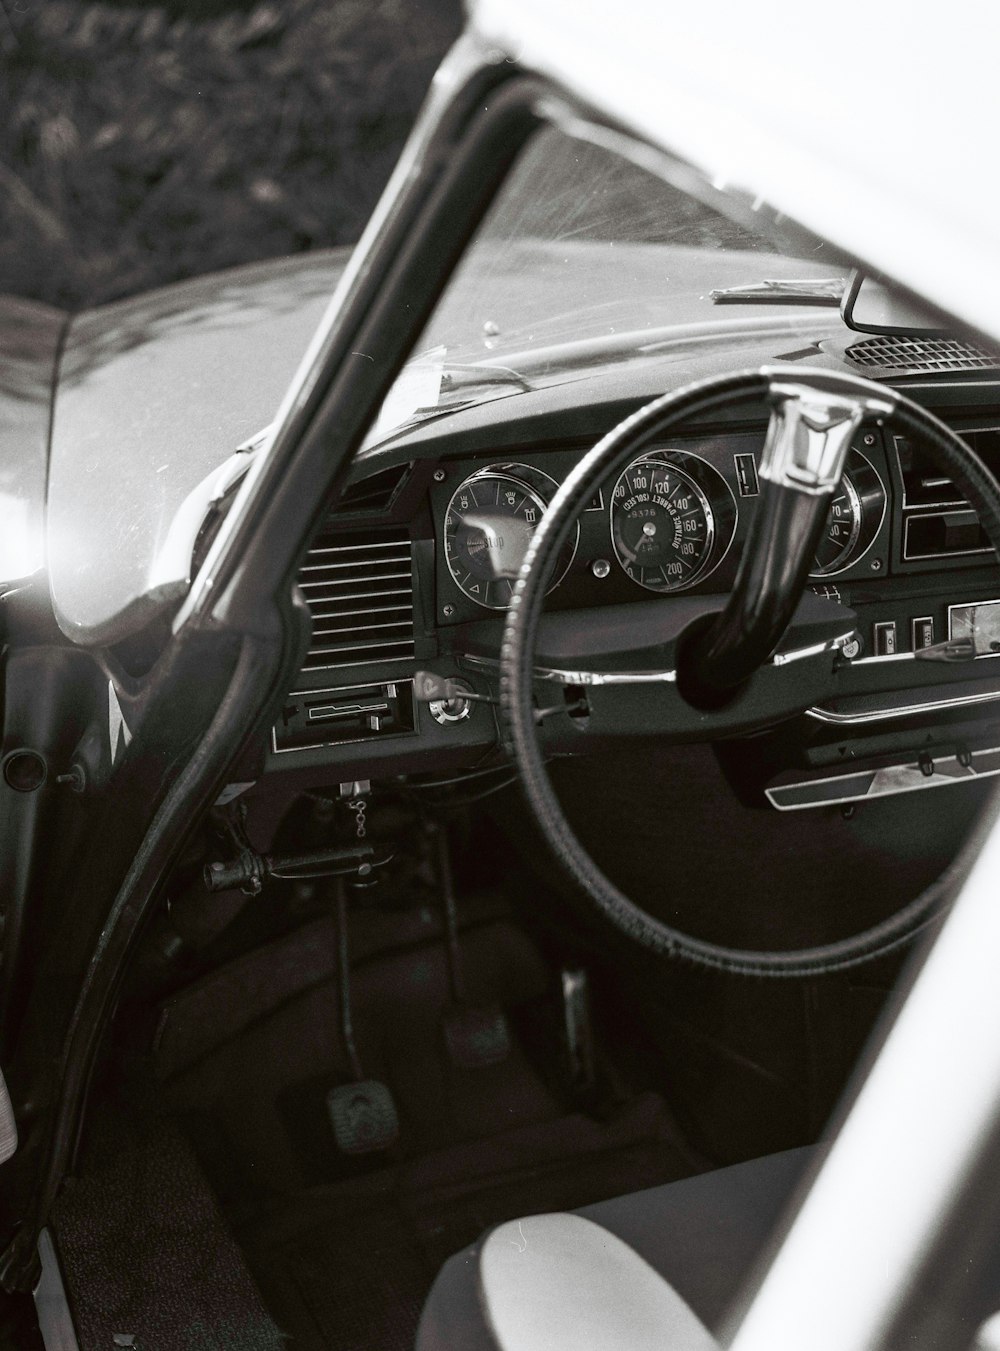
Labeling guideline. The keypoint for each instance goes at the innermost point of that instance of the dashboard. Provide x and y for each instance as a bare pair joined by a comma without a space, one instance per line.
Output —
413,571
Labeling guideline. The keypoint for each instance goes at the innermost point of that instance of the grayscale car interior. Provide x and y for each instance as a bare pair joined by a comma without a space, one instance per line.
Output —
482,756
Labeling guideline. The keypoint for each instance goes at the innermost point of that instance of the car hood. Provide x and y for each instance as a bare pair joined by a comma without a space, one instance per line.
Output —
154,395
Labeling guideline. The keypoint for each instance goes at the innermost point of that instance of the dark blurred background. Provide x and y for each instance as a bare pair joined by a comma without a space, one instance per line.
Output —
143,143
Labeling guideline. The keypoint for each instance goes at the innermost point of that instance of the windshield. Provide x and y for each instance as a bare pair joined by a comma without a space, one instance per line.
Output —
587,253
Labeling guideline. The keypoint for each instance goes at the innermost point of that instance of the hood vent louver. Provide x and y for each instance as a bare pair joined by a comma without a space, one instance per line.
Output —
894,355
377,492
359,588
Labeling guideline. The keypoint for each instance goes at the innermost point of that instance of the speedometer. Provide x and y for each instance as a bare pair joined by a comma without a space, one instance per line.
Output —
665,528
488,525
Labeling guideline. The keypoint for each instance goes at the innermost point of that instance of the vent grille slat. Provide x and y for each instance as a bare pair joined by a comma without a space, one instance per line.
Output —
359,589
356,564
373,578
343,598
895,355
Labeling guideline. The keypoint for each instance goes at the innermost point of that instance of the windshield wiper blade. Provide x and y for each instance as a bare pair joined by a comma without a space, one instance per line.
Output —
471,374
461,378
782,291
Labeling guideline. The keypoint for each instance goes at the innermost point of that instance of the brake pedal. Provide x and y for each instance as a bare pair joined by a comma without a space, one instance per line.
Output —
475,1035
362,1113
363,1116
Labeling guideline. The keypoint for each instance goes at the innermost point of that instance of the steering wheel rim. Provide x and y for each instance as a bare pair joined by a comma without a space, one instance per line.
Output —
609,456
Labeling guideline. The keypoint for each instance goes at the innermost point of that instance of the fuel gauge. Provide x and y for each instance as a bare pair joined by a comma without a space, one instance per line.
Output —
488,526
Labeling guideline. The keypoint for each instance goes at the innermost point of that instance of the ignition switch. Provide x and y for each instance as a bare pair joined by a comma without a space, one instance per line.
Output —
449,700
456,707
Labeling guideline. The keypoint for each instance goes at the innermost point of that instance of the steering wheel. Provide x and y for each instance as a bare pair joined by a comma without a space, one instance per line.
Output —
722,669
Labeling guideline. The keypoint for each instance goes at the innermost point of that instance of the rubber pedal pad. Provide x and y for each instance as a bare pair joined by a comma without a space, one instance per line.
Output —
476,1035
363,1116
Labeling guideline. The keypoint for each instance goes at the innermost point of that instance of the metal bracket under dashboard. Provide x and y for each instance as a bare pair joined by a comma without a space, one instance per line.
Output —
862,785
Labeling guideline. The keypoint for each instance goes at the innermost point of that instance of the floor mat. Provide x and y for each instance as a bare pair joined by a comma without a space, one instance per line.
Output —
347,1268
146,1253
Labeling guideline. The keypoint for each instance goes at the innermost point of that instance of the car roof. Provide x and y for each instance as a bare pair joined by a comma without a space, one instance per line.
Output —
874,125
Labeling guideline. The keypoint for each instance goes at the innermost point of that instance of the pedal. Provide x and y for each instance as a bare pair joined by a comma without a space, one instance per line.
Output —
475,1036
363,1113
363,1116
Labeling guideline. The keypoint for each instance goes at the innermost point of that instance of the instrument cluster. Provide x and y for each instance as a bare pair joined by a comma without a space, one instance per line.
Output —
667,524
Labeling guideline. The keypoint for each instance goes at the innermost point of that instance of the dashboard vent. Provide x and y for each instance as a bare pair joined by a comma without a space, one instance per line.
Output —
377,492
359,588
892,354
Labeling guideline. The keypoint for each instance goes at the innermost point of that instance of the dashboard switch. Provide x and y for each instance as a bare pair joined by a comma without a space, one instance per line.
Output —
746,475
885,639
921,633
456,708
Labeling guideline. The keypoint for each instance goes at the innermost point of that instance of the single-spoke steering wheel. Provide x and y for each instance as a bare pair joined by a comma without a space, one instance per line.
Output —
729,668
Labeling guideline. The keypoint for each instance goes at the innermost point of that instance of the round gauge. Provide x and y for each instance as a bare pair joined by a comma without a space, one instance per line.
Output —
854,520
665,519
840,534
488,525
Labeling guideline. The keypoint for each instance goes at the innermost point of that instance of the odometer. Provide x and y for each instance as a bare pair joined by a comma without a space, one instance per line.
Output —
662,524
488,525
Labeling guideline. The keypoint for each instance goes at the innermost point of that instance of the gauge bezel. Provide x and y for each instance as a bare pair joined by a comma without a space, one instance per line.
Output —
717,498
869,527
540,487
857,519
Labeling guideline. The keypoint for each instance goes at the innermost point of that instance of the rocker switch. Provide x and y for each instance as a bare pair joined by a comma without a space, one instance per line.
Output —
885,639
922,633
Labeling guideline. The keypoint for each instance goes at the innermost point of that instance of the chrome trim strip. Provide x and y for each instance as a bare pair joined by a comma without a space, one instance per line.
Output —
565,677
890,781
55,1321
904,711
660,677
816,650
595,678
955,384
872,661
